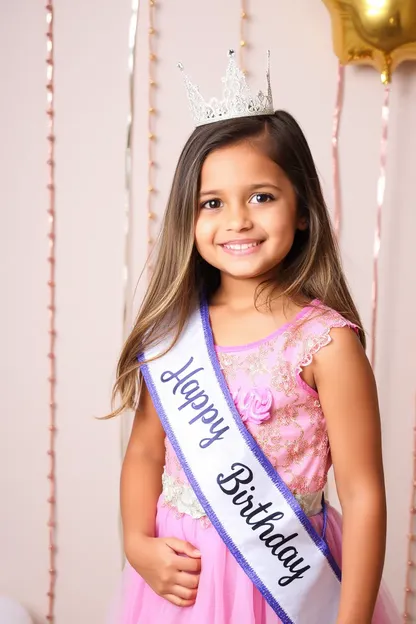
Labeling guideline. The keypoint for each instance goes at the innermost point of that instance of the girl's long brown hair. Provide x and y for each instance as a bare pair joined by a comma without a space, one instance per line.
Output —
311,270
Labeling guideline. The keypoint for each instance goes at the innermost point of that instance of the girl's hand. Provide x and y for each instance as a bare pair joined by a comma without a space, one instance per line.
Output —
170,566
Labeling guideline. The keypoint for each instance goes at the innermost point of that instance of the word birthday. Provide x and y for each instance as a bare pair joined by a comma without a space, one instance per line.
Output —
259,518
197,400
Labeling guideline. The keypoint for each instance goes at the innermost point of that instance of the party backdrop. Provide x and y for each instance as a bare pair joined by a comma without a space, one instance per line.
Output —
94,278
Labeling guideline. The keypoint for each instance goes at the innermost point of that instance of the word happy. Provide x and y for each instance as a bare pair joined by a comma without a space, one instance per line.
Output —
197,401
257,517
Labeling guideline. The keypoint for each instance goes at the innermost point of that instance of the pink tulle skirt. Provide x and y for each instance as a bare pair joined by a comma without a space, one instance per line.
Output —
225,594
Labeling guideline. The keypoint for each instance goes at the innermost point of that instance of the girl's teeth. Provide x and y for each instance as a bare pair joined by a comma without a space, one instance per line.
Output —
241,247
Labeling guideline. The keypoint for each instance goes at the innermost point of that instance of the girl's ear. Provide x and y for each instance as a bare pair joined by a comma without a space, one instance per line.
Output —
302,223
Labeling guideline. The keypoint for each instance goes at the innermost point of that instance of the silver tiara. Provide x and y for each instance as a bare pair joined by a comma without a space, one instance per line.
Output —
237,99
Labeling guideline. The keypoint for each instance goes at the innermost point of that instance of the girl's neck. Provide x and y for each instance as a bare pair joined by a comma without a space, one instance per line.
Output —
243,294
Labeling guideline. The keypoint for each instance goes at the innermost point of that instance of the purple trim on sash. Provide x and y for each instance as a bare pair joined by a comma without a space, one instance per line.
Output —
256,450
204,502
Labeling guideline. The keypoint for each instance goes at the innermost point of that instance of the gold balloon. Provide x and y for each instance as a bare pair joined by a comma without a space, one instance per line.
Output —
381,33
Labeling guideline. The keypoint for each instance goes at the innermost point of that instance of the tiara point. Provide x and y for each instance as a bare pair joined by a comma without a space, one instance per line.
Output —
237,99
180,66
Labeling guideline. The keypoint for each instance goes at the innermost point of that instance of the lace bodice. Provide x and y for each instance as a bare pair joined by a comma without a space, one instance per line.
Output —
279,409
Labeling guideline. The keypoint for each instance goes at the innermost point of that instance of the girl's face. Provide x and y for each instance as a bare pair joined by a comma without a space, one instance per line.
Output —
247,218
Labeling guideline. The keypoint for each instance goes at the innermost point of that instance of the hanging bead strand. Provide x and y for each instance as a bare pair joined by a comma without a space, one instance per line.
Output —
151,215
243,34
50,112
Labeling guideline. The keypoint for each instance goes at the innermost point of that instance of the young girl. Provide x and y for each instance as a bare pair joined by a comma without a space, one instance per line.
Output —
252,381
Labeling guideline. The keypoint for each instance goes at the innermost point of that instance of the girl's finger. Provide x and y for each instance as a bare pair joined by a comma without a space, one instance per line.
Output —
182,547
187,565
179,602
191,581
184,592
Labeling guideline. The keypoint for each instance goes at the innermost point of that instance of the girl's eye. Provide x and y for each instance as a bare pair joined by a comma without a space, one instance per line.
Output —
261,198
211,204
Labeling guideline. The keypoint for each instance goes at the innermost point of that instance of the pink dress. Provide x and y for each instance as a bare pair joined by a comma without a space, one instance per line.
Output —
285,417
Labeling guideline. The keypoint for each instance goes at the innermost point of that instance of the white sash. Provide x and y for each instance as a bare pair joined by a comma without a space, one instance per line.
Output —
252,509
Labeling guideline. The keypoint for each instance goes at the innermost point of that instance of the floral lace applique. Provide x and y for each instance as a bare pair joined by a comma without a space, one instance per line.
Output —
255,363
181,498
172,461
295,451
292,336
287,414
298,483
230,364
283,377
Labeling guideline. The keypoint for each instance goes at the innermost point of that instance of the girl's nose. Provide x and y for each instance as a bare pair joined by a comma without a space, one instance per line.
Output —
238,218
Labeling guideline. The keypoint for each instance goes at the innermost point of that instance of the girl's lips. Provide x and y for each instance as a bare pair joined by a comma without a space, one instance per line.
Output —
241,248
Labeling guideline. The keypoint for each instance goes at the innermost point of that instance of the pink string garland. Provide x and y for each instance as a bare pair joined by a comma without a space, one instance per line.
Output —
411,538
50,112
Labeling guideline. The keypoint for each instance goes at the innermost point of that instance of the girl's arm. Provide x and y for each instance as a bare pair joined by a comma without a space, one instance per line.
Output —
348,396
170,566
141,475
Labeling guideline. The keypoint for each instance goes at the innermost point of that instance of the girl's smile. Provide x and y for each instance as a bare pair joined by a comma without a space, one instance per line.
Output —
242,247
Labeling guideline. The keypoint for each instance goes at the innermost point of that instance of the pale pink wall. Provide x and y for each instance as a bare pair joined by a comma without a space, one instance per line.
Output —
91,103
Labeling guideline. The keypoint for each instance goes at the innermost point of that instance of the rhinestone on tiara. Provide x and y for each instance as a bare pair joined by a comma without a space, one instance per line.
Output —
237,99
